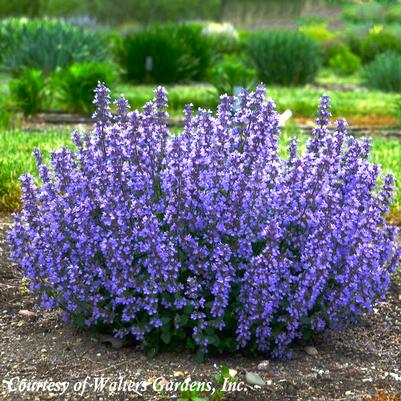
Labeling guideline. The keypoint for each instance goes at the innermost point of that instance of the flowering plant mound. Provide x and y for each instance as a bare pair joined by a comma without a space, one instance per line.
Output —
207,240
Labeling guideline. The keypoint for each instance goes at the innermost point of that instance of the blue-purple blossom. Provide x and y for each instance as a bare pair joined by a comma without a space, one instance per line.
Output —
136,223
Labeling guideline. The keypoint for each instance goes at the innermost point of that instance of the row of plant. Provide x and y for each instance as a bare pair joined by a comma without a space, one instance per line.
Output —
48,57
388,11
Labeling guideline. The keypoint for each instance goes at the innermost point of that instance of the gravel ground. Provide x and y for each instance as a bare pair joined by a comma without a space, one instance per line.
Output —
37,346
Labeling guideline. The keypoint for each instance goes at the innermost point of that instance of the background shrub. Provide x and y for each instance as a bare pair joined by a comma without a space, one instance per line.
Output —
367,47
166,54
343,61
47,45
273,54
393,13
384,72
29,91
76,84
319,32
231,73
207,240
223,39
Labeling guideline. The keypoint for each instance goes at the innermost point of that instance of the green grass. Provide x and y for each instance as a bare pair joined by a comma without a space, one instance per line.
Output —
16,158
204,95
16,149
327,76
302,101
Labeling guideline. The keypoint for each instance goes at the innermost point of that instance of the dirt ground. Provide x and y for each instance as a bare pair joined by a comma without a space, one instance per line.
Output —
37,346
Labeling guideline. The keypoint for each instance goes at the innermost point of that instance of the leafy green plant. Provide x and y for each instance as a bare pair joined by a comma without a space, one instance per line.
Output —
393,13
224,39
231,73
377,41
77,82
223,378
28,91
190,396
166,54
273,54
384,73
344,62
47,45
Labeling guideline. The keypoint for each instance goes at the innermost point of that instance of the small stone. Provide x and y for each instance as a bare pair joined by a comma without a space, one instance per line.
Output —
232,372
348,392
264,365
178,373
26,314
254,379
115,343
399,297
311,350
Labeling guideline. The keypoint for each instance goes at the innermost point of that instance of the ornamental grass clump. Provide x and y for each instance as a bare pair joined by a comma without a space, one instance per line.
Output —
207,240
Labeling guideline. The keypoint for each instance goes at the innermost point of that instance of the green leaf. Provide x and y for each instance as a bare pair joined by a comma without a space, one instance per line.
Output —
152,352
165,320
166,337
225,371
200,356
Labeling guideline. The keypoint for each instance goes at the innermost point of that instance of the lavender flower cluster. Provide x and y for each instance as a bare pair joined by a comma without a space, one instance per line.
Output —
210,230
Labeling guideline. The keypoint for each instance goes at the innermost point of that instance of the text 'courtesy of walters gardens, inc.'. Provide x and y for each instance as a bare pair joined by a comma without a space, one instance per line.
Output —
111,385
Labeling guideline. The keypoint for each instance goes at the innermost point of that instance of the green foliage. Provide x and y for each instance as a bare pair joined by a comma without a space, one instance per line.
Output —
28,91
28,8
344,62
47,45
166,54
76,84
373,12
222,378
143,11
393,13
384,72
319,32
223,38
284,57
366,11
231,73
377,41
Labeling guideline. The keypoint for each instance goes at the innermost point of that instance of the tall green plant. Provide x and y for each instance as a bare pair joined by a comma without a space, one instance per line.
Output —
376,42
384,73
231,73
166,54
284,57
76,84
47,45
28,91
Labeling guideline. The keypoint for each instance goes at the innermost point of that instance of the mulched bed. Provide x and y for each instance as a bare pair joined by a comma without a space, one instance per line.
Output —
348,366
